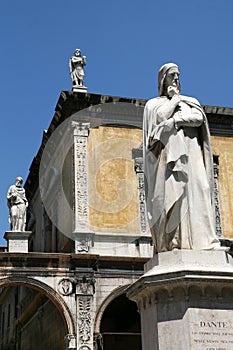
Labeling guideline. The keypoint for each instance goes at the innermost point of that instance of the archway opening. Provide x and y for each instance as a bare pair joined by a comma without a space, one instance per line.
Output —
120,326
29,319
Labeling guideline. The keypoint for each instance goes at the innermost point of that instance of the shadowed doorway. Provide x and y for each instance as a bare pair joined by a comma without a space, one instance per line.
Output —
120,326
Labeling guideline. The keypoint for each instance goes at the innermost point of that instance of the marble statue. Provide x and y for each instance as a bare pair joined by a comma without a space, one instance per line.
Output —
17,203
76,64
178,168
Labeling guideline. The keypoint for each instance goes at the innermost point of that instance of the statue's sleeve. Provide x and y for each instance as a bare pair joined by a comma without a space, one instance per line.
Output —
158,137
157,115
9,192
166,109
193,119
70,65
149,125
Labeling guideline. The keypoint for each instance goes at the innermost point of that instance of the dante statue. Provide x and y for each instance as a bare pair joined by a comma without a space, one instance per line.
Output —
178,168
17,203
76,64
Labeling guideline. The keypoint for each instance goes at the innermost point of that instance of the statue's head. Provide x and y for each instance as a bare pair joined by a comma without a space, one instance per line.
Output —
18,181
77,52
168,76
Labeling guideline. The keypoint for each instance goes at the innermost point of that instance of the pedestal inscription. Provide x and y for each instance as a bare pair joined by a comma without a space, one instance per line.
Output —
17,242
186,301
211,329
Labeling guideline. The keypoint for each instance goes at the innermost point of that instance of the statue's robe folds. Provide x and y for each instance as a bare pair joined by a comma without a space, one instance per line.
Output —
17,203
76,69
179,177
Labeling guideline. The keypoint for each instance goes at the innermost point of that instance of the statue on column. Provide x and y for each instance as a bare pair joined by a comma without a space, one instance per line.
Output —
76,64
17,203
178,168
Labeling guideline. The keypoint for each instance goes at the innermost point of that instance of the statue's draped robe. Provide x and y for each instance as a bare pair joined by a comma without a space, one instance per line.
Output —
179,177
76,69
17,202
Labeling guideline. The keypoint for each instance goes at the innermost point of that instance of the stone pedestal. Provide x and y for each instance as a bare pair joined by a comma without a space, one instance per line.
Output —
185,299
78,88
17,242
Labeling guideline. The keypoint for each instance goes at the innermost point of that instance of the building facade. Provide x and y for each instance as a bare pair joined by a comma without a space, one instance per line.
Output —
90,238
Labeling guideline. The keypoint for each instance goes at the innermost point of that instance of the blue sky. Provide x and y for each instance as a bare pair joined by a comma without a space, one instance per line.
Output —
125,43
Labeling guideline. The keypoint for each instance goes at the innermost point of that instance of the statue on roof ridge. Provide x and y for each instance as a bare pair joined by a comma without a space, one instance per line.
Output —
17,204
76,65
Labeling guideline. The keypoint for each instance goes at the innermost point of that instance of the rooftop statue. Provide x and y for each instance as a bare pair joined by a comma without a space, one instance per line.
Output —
178,168
76,64
17,203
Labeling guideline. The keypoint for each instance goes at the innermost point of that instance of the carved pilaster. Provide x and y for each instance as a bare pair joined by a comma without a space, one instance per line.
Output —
80,168
218,221
85,289
138,160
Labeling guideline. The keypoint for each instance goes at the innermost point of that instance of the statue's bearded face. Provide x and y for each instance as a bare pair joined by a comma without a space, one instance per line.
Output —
172,79
77,53
18,182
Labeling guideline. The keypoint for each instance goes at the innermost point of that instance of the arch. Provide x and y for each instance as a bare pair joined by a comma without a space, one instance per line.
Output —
46,290
116,293
118,322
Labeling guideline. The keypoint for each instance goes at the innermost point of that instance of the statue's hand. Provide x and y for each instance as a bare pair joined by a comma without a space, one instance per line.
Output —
169,124
172,90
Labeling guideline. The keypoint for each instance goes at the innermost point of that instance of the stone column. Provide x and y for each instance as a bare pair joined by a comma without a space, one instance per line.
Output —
218,221
85,289
185,299
141,195
66,287
80,185
137,155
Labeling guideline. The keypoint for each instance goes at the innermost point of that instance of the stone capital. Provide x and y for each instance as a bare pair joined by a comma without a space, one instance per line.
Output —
81,129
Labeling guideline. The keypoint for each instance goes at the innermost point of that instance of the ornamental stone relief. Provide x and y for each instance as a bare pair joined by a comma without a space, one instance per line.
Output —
80,176
85,289
137,154
218,221
84,309
65,286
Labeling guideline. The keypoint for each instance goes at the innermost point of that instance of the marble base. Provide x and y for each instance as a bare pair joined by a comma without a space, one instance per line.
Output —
17,242
78,88
185,299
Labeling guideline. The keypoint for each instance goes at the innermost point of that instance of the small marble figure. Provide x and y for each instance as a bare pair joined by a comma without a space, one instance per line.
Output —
178,168
17,203
76,64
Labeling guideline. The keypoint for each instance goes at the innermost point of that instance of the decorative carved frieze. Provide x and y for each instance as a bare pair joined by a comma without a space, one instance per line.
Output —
137,154
84,314
218,221
85,289
142,204
80,182
82,246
